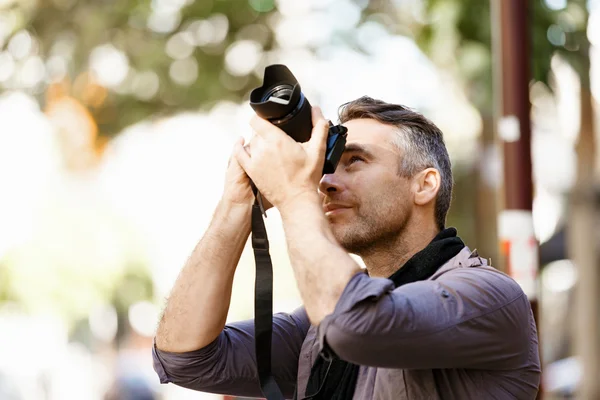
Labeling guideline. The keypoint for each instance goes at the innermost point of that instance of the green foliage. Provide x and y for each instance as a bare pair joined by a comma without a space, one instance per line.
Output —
458,36
78,257
6,294
135,285
77,27
573,23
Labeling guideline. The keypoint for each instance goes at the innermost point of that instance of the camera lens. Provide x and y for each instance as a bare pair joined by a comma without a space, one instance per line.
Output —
279,94
280,101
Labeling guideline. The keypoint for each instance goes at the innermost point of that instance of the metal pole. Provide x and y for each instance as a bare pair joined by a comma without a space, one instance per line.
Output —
518,243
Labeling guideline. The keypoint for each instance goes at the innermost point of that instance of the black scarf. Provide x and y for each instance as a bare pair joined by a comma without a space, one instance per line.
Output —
335,379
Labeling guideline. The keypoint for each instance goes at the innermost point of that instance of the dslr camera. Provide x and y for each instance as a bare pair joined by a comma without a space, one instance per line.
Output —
280,100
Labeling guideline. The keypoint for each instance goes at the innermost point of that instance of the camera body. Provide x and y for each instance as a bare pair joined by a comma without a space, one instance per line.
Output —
280,100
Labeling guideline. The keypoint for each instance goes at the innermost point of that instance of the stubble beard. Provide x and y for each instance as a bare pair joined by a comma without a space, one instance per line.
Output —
367,233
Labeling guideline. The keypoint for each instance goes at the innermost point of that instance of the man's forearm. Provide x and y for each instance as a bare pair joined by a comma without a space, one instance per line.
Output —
321,266
196,310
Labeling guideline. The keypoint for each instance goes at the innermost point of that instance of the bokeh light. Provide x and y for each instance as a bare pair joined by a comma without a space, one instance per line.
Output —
109,65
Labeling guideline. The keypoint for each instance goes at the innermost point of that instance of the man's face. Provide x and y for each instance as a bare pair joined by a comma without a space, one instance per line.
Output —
366,201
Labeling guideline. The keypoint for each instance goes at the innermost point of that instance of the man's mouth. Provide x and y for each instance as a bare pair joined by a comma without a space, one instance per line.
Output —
335,208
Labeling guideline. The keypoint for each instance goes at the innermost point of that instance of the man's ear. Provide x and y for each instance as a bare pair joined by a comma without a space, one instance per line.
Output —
426,185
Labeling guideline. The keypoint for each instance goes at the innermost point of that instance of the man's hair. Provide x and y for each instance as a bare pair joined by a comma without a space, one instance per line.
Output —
421,142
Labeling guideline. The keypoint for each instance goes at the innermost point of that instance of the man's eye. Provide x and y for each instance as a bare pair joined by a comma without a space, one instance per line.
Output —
354,159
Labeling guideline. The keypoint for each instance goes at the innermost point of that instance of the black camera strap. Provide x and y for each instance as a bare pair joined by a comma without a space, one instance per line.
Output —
263,303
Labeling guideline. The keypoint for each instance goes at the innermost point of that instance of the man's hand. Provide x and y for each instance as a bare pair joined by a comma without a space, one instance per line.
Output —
237,183
283,169
237,190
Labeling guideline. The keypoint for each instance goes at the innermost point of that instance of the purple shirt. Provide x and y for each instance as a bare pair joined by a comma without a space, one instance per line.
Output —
466,333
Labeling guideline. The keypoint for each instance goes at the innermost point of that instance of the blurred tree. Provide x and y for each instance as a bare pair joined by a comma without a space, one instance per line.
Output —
458,36
583,213
135,286
576,50
129,60
81,256
6,294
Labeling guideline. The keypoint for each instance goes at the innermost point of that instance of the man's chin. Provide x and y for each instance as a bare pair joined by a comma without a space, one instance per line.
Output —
341,234
337,223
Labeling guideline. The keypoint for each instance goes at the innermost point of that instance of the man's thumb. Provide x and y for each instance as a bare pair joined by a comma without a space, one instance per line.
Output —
318,140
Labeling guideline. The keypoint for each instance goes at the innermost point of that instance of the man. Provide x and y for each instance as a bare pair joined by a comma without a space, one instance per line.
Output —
428,319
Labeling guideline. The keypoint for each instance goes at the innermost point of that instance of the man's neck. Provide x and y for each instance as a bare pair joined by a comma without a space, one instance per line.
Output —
383,259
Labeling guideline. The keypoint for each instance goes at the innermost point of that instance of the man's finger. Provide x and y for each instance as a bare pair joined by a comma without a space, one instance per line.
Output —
265,129
316,114
318,140
242,156
239,141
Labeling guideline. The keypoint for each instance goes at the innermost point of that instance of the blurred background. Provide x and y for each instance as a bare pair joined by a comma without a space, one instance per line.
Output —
117,119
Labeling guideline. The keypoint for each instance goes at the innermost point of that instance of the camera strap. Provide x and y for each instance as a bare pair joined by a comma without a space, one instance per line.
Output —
263,302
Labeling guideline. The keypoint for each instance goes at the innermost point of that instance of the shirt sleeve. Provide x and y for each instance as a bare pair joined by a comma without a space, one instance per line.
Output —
469,317
228,364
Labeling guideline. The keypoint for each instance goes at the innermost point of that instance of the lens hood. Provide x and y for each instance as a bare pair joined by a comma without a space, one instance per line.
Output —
280,100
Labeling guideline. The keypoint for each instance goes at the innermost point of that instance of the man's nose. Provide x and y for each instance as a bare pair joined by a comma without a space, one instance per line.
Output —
330,183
